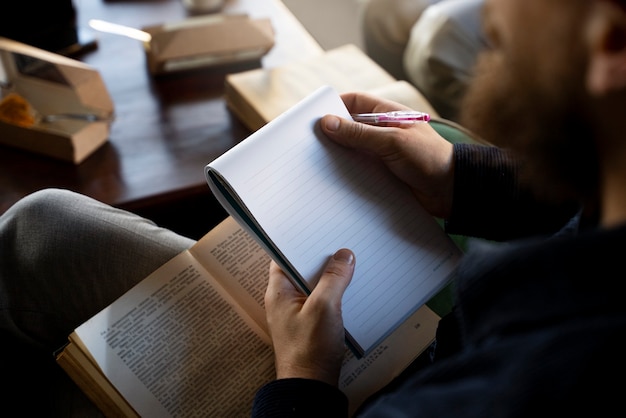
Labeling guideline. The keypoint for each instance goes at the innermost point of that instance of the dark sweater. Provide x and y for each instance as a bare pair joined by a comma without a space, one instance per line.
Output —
538,323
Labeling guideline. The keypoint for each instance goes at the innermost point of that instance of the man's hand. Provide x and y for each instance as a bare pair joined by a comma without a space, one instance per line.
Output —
416,154
307,332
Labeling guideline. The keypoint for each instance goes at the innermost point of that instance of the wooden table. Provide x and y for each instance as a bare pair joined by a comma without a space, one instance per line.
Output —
166,129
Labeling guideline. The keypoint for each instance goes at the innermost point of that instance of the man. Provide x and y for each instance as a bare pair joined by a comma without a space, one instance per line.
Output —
540,320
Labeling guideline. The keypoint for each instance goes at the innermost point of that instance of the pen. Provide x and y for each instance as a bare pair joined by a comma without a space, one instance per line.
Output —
403,117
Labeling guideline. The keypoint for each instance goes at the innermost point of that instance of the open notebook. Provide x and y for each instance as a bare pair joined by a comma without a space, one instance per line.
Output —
303,197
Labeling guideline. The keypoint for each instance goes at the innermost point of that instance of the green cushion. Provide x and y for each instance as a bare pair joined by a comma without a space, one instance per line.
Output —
454,132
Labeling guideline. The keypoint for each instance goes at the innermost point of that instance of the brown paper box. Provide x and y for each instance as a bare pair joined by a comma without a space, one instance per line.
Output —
207,41
54,84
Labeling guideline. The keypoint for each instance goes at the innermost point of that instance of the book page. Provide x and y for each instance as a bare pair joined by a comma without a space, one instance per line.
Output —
175,345
239,264
312,197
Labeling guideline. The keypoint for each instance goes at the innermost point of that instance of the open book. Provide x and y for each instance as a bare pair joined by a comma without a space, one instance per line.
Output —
303,197
191,339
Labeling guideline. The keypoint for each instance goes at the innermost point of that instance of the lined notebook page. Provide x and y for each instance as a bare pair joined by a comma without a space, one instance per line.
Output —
313,197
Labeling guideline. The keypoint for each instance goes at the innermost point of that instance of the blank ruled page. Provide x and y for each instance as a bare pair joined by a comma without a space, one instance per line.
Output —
313,197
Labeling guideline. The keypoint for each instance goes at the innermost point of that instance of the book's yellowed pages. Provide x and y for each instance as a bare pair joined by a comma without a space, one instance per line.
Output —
88,376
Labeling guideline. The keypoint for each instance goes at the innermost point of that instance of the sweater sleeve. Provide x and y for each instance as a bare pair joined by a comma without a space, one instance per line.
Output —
299,398
490,202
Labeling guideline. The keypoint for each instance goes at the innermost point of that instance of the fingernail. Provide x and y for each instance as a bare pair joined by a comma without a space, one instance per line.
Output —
345,256
332,123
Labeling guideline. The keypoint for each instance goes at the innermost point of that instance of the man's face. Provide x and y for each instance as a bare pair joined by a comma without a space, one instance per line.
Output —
529,92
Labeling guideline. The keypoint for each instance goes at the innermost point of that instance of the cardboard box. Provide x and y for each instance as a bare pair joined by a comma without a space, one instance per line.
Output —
51,84
207,41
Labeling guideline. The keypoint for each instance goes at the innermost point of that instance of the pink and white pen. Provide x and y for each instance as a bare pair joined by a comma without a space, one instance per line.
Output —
402,117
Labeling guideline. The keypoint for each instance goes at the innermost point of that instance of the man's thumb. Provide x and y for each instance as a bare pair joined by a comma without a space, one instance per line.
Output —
337,273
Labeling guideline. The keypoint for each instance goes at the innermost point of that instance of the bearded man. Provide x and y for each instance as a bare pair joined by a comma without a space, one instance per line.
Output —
539,320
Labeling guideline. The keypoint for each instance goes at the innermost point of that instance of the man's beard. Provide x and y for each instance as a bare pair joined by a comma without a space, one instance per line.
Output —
545,125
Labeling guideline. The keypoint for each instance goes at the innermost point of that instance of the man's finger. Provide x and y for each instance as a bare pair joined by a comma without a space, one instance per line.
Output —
336,276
